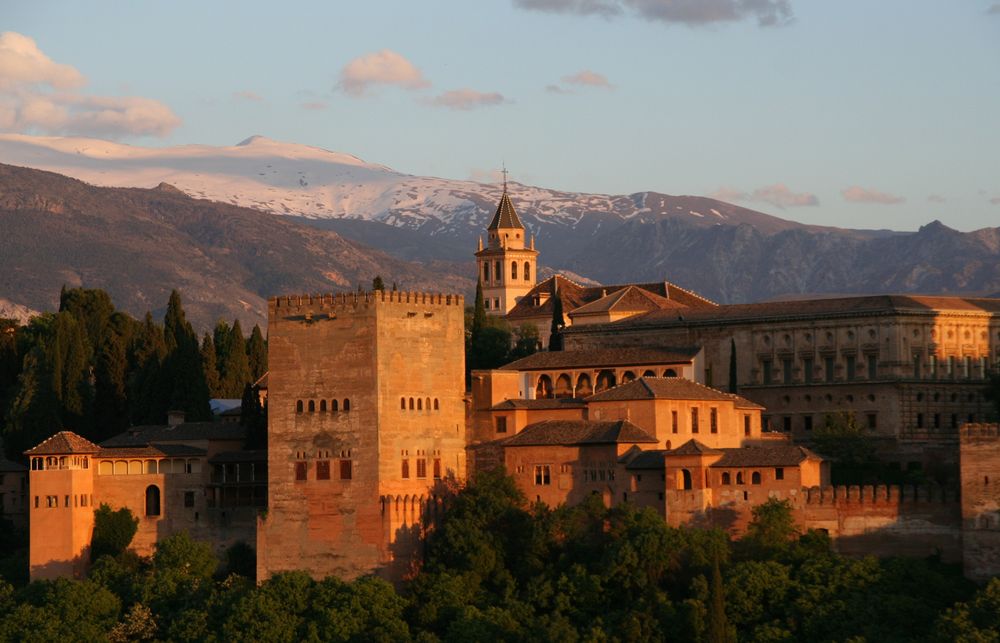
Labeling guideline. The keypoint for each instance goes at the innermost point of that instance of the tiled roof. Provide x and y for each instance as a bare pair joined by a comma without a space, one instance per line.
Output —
9,466
549,360
544,404
810,308
778,455
153,451
255,455
694,447
652,459
574,296
628,299
63,443
505,216
573,432
668,388
140,436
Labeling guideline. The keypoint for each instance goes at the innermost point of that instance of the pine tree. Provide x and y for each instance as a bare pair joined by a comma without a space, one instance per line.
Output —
257,353
558,321
718,630
733,386
209,365
111,412
236,368
378,284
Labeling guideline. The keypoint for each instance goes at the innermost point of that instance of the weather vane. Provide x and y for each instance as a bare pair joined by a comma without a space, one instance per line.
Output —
504,172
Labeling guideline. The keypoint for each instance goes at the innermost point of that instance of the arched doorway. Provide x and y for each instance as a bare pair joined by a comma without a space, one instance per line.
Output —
605,379
543,390
152,500
685,481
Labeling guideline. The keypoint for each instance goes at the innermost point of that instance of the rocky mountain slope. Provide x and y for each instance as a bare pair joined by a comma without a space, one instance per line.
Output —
138,244
726,252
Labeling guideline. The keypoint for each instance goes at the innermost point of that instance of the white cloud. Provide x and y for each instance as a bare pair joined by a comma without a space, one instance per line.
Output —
39,95
248,95
768,13
466,99
314,105
994,9
779,195
857,194
556,89
589,78
995,200
384,67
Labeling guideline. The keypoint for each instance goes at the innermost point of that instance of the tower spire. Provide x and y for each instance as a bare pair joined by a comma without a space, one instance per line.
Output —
504,172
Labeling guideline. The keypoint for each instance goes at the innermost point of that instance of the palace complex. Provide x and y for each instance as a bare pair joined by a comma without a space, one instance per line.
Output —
660,398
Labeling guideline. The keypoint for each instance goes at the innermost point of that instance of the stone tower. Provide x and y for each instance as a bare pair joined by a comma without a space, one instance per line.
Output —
979,452
60,509
507,267
366,429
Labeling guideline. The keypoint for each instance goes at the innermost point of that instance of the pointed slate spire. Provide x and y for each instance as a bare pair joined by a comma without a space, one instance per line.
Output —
505,216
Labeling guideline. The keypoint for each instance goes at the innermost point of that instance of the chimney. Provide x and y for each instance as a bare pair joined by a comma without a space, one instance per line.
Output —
174,418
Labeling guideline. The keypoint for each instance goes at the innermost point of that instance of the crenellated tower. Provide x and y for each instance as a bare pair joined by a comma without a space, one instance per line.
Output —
508,263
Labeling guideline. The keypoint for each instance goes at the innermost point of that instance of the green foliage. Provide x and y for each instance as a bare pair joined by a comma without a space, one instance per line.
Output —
113,531
181,557
772,528
234,368
378,284
111,413
257,353
733,378
977,620
718,629
479,310
209,364
61,610
181,376
241,559
254,418
526,341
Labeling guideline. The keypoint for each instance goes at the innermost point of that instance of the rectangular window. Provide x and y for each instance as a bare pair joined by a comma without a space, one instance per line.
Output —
746,425
920,420
828,367
954,420
501,425
850,367
767,369
779,473
67,502
673,422
694,420
786,424
36,502
872,366
421,467
323,470
872,421
496,303
542,474
951,366
346,469
968,367
933,366
713,419
301,469
406,468
786,370
916,366
807,423
937,420
437,468
807,370
188,498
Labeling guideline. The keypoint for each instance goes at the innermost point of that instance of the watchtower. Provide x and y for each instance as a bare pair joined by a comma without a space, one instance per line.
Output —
979,453
507,266
61,511
366,425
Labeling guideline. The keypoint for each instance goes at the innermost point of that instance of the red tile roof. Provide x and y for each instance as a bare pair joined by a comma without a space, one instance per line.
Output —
579,432
543,404
63,443
694,447
778,455
669,388
600,358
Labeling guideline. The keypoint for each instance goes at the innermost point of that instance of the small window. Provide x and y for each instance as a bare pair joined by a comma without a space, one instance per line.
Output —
188,499
421,467
713,417
786,424
779,473
739,478
726,479
543,475
420,404
513,270
437,406
406,468
312,406
402,403
746,425
411,404
334,405
755,477
298,406
322,406
152,500
527,271
673,422
345,469
347,404
872,421
807,422
501,425
323,470
301,471
694,420
437,468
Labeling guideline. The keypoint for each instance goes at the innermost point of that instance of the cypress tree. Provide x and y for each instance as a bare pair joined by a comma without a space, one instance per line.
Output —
257,353
146,394
182,372
479,312
378,284
253,418
733,386
236,368
220,336
718,630
70,372
209,365
558,321
111,412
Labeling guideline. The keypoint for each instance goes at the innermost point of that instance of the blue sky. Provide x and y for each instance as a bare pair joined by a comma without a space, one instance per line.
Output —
849,113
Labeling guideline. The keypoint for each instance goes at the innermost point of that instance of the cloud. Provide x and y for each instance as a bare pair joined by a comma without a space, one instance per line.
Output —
485,176
314,105
248,95
40,95
995,200
384,67
857,194
994,9
768,13
588,78
466,99
556,89
936,198
778,195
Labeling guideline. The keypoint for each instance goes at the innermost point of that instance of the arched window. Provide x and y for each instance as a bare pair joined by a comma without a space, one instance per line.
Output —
152,500
685,479
411,403
648,373
605,379
402,403
322,406
755,477
427,404
583,386
564,386
527,271
486,272
496,271
437,406
347,404
726,479
333,405
298,406
739,477
420,404
670,373
627,376
543,390
312,406
513,270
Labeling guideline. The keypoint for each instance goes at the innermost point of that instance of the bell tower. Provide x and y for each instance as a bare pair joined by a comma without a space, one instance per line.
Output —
507,265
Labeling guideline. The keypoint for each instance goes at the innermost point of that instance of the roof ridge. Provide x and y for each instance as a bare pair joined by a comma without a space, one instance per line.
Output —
689,292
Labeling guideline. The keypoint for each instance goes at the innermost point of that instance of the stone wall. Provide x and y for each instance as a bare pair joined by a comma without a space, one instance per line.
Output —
980,472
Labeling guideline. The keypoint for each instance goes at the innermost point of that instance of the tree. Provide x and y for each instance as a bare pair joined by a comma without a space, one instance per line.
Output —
148,397
718,629
111,411
236,367
733,384
479,311
113,531
180,555
772,528
210,366
558,320
257,353
182,374
526,341
844,441
252,417
378,284
975,620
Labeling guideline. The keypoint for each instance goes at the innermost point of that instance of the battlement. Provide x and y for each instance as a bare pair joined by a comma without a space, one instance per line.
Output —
302,304
878,494
979,430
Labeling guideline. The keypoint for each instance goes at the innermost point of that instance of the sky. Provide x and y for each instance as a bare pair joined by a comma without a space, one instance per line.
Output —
852,113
